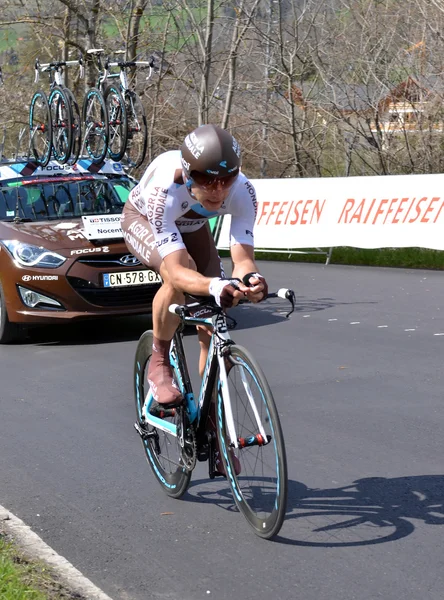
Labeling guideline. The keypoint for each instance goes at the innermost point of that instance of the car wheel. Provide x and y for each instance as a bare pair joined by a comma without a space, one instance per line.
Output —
9,332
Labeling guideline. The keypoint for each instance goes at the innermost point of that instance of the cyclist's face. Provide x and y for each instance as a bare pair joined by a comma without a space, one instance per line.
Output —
211,193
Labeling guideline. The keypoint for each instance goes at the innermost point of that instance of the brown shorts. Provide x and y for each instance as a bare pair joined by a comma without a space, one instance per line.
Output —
140,241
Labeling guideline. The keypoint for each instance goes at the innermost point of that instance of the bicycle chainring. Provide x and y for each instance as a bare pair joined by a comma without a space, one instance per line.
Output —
186,437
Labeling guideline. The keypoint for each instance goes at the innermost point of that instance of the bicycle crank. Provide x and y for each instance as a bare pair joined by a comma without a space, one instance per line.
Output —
186,437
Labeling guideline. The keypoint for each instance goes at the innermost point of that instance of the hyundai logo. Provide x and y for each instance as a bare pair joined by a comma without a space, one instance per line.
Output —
26,278
129,259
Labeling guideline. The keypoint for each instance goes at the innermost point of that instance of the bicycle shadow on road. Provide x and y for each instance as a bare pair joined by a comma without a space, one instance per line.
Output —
372,510
274,311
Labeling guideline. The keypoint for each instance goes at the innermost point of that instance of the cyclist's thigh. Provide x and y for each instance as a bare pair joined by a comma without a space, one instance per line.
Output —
202,249
139,237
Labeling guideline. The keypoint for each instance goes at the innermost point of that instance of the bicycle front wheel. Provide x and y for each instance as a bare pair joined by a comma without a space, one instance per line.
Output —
257,469
61,116
137,130
40,129
162,449
96,128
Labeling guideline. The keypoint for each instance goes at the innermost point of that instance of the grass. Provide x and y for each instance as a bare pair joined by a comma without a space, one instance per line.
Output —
407,258
23,579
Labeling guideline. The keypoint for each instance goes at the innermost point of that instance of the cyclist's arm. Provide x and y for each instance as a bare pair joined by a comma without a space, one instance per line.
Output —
242,256
186,280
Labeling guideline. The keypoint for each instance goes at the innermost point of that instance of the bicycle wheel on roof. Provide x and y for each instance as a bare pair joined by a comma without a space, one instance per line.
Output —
259,486
40,129
118,125
137,130
76,141
61,117
95,125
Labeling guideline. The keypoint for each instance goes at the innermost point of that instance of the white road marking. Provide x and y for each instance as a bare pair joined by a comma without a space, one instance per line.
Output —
438,334
332,319
409,329
32,545
355,323
305,316
381,326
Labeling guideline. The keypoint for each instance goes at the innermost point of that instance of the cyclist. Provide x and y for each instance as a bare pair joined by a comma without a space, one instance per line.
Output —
165,224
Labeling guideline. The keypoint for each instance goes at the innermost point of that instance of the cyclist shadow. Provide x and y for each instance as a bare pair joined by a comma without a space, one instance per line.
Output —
276,309
372,510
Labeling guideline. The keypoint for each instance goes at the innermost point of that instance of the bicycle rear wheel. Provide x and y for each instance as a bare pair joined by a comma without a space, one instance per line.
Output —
61,116
162,450
76,142
96,128
260,488
40,129
137,130
118,125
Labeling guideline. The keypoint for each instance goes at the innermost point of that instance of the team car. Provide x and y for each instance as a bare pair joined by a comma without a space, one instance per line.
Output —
62,254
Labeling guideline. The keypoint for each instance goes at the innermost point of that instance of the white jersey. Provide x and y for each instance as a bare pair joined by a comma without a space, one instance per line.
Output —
171,210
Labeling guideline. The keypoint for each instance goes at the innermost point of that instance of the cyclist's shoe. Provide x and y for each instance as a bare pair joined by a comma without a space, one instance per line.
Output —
160,376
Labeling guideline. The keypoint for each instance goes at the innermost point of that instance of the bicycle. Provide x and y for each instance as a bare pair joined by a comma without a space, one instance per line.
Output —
234,392
54,122
127,124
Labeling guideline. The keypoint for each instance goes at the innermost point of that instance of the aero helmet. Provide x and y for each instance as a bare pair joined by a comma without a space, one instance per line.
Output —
210,153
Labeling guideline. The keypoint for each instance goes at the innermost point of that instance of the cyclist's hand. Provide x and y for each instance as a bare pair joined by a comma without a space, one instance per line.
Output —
227,292
257,287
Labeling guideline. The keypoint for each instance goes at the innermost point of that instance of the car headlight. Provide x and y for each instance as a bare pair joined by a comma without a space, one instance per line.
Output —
28,255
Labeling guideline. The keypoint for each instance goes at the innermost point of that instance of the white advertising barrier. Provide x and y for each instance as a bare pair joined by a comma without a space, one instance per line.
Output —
363,212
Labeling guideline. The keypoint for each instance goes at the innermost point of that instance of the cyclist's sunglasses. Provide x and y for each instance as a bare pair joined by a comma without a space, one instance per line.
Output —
210,181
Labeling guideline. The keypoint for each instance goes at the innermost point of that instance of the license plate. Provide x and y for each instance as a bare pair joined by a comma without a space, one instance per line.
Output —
126,278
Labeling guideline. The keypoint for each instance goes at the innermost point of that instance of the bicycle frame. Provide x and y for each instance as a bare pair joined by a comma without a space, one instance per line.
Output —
199,408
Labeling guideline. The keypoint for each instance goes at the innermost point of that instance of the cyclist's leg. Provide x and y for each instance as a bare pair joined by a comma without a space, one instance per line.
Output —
202,249
140,241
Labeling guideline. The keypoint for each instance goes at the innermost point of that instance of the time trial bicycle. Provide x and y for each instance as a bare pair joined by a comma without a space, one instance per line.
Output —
235,400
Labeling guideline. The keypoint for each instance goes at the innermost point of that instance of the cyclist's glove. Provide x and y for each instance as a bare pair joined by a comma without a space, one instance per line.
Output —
246,280
222,290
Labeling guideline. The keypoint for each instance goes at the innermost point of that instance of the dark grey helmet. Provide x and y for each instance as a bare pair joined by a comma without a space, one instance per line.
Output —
211,152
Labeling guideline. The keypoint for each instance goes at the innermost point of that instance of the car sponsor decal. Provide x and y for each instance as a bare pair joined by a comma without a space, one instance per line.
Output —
90,250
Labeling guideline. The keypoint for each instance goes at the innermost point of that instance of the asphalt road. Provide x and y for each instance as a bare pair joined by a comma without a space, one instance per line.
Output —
357,375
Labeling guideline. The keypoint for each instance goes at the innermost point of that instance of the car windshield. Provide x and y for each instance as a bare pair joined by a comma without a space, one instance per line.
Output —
42,199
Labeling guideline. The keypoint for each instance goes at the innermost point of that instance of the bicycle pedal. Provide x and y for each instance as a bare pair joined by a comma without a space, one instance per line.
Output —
144,434
156,410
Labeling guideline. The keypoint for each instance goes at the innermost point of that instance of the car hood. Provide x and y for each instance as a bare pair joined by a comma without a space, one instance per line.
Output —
54,235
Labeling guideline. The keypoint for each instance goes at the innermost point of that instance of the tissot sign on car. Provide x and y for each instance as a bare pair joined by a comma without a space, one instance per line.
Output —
62,255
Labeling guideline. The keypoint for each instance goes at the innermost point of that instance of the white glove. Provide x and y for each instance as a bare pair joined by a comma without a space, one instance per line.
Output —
216,288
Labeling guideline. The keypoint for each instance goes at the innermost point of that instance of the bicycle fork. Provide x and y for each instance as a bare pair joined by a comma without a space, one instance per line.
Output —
260,438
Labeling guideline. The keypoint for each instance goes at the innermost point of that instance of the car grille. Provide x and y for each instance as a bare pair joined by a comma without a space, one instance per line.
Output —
132,296
109,260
